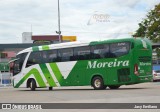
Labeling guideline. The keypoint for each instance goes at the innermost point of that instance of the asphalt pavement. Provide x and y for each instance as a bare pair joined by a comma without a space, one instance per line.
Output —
139,93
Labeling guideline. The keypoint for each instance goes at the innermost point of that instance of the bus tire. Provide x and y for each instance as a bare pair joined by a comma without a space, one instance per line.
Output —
113,87
50,88
97,83
33,85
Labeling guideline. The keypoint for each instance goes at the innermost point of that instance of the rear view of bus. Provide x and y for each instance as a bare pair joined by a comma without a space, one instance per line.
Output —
142,59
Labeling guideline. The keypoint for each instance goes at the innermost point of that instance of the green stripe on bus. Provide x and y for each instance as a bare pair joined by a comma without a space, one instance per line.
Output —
45,47
36,74
47,75
35,48
57,72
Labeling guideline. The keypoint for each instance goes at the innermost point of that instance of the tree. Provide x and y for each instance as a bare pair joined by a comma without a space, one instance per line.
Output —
150,26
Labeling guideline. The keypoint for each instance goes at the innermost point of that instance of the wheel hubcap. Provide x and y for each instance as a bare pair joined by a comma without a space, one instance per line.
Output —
97,83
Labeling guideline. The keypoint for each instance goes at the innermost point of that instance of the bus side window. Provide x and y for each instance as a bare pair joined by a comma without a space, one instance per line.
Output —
52,55
44,57
65,54
82,53
99,51
119,49
35,58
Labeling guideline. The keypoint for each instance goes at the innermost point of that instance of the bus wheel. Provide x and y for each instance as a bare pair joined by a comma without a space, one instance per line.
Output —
33,85
50,88
97,83
113,87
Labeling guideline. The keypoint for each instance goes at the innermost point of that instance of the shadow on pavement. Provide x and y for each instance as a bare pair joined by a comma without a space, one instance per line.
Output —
45,89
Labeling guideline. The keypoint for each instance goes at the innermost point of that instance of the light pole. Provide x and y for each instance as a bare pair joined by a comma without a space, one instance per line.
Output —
59,27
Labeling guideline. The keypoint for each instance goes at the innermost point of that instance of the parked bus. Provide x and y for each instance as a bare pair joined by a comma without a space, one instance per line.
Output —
101,64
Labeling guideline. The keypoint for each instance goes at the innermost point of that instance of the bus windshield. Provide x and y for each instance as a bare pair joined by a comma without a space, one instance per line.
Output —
18,63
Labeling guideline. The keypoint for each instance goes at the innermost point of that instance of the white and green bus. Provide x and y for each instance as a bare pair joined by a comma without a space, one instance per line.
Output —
101,64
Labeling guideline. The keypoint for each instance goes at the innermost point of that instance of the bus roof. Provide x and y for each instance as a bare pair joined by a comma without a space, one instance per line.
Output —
72,44
54,46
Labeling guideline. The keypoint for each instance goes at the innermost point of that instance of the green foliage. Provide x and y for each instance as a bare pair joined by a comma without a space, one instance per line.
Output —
150,26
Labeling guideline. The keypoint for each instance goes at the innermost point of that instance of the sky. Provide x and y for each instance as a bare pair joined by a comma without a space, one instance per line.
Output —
77,18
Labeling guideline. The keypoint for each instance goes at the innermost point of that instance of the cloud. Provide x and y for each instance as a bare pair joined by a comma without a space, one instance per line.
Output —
17,16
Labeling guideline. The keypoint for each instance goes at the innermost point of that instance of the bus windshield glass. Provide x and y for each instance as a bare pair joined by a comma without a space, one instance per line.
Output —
19,63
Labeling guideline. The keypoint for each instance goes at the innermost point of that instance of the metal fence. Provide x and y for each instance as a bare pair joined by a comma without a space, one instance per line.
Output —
5,79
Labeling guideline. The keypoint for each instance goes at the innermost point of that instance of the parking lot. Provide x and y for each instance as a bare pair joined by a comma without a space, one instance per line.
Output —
139,93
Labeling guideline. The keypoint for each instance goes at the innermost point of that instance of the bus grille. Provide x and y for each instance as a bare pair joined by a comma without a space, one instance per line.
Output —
144,59
123,75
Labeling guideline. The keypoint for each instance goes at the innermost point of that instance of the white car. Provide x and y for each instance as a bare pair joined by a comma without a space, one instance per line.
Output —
156,75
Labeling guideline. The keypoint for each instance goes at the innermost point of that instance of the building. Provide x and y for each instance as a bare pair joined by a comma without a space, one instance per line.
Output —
5,73
27,37
8,51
